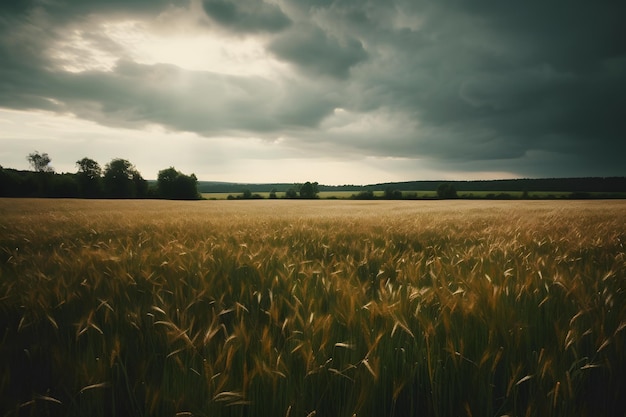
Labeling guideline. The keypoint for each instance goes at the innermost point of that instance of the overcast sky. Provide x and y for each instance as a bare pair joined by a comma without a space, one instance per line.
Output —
340,92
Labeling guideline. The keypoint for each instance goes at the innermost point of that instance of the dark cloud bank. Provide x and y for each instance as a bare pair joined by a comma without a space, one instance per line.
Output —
532,88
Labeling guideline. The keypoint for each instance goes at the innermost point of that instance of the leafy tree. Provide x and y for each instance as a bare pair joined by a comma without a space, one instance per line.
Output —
446,191
365,195
273,193
291,193
393,194
309,190
89,168
166,182
89,177
122,180
175,185
40,162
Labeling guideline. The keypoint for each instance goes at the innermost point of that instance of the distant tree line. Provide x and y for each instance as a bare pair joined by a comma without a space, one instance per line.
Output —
444,191
494,188
570,185
447,191
308,190
119,179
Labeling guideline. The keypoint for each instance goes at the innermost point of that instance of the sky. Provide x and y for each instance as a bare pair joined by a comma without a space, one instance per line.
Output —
334,91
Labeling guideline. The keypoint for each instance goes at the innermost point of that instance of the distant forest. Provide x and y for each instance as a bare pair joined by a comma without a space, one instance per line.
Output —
571,185
120,179
607,185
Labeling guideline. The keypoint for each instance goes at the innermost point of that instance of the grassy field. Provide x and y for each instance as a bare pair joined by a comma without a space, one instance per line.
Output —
423,194
312,308
322,195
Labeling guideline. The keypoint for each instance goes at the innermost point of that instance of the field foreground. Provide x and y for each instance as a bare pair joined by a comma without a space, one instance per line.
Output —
302,308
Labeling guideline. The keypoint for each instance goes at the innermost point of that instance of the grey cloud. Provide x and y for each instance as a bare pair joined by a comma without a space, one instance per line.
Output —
135,95
247,16
210,104
567,36
62,11
13,7
527,87
318,53
497,85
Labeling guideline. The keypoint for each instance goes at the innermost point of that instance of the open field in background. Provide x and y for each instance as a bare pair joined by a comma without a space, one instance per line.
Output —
535,195
326,308
322,195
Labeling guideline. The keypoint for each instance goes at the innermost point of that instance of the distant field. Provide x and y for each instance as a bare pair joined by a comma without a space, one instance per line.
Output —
422,194
322,194
303,308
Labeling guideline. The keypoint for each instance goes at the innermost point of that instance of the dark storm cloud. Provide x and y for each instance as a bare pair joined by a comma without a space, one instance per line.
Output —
568,36
247,16
64,10
531,87
316,52
499,82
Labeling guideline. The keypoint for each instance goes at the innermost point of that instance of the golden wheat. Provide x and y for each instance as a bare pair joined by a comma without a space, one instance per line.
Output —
229,308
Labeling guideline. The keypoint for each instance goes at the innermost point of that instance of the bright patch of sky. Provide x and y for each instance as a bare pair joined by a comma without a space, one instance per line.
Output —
197,51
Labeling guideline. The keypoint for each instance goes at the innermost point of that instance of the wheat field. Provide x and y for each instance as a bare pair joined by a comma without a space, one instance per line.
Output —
312,308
